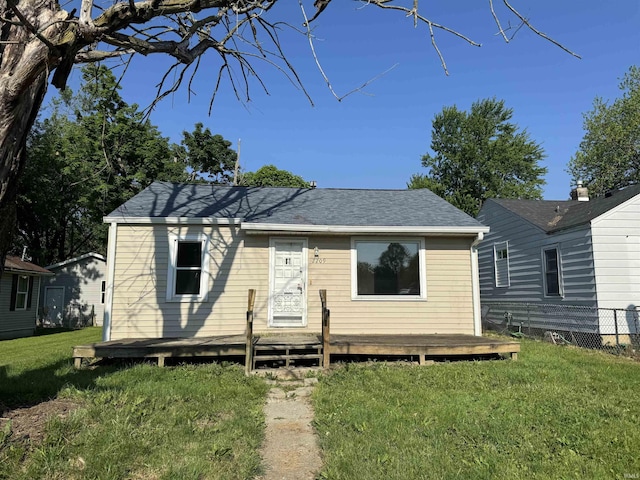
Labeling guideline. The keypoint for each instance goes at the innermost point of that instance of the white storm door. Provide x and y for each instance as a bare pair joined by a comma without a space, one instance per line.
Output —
288,296
54,303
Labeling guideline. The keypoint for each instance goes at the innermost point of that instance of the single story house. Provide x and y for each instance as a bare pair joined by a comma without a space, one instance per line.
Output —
182,257
582,253
76,294
19,294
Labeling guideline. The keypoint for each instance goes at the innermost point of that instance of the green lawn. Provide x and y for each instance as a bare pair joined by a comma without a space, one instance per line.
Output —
555,413
136,422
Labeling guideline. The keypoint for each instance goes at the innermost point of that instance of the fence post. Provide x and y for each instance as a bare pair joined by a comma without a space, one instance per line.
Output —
615,319
326,353
248,354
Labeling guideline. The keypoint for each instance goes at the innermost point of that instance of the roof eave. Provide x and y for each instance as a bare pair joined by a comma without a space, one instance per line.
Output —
363,229
121,219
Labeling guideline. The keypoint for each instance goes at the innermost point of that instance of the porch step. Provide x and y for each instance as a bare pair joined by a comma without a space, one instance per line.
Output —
271,348
270,353
314,356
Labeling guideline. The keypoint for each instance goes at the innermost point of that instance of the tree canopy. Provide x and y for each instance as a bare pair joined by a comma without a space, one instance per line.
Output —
209,157
608,157
270,176
480,154
92,154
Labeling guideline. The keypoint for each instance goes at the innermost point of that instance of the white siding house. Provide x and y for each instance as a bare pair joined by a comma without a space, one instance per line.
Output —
546,253
76,294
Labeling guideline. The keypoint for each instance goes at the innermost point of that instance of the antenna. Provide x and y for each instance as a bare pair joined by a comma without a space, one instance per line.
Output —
237,166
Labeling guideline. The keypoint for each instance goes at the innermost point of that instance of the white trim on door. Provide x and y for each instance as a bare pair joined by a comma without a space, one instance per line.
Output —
304,270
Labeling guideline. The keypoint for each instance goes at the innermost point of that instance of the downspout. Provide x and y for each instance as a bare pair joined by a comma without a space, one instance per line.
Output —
111,267
475,286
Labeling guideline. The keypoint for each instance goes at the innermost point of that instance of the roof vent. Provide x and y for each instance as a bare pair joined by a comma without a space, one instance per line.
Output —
313,184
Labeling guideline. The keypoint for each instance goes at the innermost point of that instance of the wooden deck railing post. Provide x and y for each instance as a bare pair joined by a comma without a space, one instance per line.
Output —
326,320
248,356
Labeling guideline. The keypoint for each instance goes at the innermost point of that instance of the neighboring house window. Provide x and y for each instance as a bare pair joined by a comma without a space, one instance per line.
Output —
501,263
552,279
103,290
21,289
388,268
188,269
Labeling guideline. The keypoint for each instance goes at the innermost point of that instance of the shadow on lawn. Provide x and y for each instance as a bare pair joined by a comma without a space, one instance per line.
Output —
41,384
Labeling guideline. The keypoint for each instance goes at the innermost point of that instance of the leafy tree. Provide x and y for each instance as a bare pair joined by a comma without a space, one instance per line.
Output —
209,157
480,154
93,153
39,38
270,176
609,155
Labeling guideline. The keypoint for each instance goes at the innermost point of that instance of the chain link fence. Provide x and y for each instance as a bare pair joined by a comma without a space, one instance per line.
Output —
614,330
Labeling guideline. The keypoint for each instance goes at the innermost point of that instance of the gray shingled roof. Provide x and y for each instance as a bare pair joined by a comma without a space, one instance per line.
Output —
293,206
554,215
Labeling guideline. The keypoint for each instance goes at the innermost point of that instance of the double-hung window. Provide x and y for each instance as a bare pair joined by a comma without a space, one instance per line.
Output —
188,275
552,273
388,269
501,263
22,292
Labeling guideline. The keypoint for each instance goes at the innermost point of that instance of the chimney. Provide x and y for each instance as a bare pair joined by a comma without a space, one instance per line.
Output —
583,192
580,193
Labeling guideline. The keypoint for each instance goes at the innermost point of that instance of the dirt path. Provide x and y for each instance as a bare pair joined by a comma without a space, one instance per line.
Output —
290,450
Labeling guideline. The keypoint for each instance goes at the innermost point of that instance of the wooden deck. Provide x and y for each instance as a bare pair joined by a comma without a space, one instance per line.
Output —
297,347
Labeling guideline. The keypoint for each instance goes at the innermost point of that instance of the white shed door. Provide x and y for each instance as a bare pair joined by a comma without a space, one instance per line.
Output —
288,283
54,303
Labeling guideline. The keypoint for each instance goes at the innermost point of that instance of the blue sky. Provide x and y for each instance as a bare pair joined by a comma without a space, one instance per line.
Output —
375,138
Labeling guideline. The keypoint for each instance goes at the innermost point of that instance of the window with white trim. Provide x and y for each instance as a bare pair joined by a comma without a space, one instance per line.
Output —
188,276
388,269
501,263
552,277
22,292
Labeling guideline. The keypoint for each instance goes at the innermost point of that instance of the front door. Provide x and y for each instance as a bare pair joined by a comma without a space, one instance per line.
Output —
288,298
54,305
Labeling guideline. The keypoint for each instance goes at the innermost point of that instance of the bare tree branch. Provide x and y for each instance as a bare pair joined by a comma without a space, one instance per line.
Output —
538,32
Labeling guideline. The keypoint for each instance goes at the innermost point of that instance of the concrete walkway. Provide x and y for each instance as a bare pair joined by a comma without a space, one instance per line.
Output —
290,450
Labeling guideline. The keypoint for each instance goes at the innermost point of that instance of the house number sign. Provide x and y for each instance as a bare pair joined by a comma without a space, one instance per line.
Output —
319,260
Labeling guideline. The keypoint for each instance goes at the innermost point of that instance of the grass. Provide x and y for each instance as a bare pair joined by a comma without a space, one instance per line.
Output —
555,413
134,422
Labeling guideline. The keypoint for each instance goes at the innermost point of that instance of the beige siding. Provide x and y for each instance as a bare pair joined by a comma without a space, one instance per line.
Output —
448,307
240,262
17,323
140,308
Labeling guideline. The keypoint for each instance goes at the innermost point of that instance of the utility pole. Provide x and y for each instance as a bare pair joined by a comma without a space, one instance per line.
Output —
237,166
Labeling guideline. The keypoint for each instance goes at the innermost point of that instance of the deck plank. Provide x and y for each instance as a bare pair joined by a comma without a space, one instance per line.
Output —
234,345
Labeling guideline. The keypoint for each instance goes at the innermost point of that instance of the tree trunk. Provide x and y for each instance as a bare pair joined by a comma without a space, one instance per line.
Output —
25,62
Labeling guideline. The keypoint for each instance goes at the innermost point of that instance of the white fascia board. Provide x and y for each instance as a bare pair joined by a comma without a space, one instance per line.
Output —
349,229
97,256
171,220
